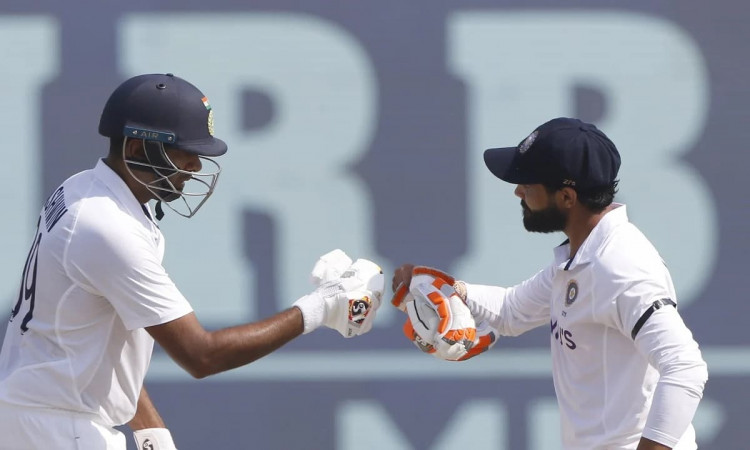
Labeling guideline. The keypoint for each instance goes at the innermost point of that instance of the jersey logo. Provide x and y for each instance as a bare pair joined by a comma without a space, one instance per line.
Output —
564,337
572,292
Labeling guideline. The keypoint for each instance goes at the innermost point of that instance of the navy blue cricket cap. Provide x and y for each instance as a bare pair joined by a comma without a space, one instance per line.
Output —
563,151
165,108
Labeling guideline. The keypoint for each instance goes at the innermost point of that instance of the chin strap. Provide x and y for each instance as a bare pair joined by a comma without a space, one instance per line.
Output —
159,211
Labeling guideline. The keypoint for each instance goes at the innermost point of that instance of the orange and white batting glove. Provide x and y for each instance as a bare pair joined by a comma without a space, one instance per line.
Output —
439,322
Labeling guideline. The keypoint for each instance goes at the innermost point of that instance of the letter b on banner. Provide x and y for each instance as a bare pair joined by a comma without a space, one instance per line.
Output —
521,69
293,170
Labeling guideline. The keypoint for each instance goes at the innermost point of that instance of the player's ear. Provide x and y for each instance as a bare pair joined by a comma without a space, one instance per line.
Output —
134,149
567,197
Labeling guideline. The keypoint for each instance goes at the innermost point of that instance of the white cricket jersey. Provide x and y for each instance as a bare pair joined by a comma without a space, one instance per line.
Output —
604,377
92,281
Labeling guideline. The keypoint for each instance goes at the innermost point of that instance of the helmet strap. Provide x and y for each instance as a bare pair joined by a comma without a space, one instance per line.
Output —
159,210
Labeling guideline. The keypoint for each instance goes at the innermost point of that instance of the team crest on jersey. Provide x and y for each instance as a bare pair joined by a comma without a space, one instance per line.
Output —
527,142
572,292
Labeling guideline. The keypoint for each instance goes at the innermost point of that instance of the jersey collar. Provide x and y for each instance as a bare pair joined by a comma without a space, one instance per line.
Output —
120,190
593,242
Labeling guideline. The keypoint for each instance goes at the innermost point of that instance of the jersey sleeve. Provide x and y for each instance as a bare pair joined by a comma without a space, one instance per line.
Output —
643,308
119,261
669,346
514,310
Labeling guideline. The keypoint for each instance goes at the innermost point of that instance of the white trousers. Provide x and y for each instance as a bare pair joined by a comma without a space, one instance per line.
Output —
23,428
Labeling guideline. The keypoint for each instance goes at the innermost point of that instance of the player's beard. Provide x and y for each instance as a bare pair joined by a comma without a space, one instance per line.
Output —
547,220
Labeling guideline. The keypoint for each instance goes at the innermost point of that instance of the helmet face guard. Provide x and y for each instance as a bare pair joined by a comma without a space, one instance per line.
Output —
196,190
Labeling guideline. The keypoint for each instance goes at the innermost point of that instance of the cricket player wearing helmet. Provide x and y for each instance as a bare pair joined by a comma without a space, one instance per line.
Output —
94,294
627,372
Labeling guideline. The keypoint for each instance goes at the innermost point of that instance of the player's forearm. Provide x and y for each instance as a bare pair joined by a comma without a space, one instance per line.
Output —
202,353
146,415
501,308
672,410
485,302
240,345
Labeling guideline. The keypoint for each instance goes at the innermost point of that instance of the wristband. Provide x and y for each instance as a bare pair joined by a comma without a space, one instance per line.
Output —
313,311
460,288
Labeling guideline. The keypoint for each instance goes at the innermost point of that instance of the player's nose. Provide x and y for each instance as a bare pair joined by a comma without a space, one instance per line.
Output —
193,164
518,191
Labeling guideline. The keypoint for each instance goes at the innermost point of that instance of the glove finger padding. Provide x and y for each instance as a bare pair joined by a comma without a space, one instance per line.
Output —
486,338
431,273
329,267
417,339
367,273
401,297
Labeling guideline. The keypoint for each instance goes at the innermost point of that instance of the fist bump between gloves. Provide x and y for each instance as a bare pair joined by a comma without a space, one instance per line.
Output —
439,322
347,295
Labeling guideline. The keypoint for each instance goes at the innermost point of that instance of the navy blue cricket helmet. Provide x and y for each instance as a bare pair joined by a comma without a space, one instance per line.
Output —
164,110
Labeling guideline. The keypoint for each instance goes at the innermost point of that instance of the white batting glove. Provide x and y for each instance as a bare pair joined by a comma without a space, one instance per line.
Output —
154,439
347,304
329,267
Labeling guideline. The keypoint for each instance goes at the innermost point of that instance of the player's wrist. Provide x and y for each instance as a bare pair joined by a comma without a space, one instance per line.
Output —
154,439
313,311
460,288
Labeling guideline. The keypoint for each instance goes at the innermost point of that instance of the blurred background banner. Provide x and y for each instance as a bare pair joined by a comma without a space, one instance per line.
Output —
361,126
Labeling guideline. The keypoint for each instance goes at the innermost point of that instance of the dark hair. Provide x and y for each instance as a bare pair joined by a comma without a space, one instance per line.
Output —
594,199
